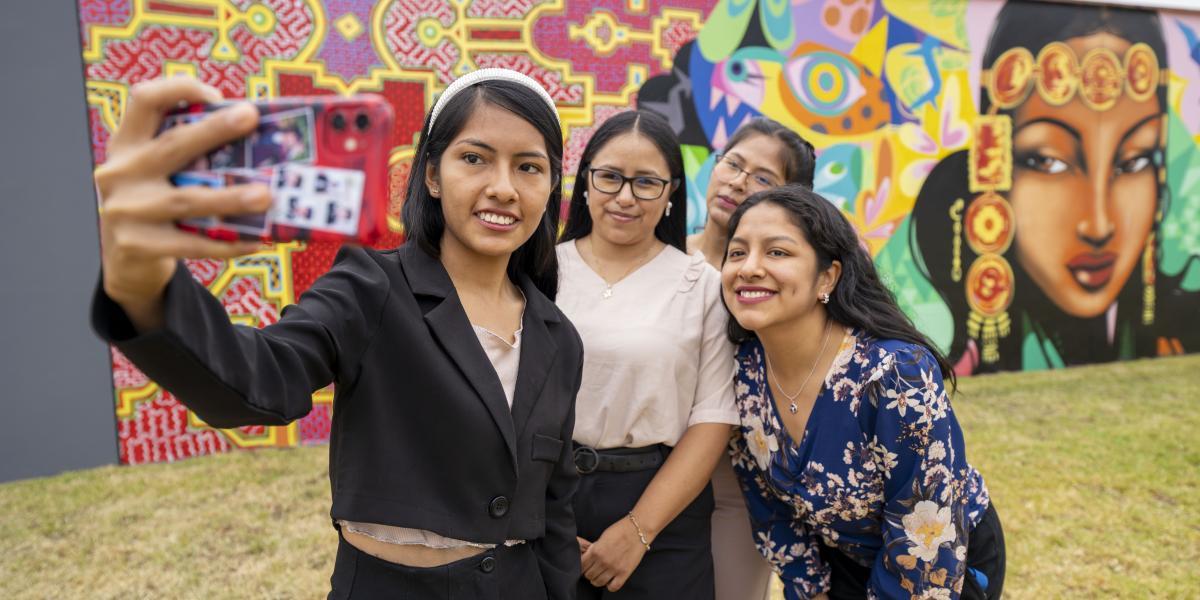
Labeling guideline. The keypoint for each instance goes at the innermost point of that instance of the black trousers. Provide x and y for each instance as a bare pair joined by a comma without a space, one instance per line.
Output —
985,561
679,563
503,573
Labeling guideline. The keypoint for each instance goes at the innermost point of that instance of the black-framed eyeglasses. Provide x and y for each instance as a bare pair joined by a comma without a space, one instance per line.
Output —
644,187
728,169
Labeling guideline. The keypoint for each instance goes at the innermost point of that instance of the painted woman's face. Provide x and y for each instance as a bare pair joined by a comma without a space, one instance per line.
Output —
1084,191
753,165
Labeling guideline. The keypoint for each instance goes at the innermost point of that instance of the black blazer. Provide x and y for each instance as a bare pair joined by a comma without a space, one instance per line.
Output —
422,434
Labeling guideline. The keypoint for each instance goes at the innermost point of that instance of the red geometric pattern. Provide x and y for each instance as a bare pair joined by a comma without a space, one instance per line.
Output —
272,48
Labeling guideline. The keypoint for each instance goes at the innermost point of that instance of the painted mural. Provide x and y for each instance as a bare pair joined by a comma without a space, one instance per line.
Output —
1023,172
1029,192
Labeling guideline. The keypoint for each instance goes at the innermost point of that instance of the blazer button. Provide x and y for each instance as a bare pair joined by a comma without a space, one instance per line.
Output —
498,507
487,565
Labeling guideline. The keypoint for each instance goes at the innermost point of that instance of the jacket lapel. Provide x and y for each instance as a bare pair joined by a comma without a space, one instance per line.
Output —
538,352
449,325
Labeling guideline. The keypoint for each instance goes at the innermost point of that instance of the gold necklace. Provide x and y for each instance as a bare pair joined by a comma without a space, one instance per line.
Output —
792,408
608,287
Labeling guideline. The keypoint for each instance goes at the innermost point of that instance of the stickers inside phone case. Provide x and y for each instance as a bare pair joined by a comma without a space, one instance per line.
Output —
253,224
320,198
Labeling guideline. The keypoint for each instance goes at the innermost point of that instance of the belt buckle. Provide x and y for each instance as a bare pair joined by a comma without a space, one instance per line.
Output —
580,455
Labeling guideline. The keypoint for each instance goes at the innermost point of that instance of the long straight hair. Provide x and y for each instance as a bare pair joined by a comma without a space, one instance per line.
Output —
423,218
860,299
671,229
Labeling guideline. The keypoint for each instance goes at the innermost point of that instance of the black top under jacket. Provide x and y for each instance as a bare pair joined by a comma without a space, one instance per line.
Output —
422,434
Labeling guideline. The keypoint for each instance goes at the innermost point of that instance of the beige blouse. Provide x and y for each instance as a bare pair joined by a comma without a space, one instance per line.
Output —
506,359
655,359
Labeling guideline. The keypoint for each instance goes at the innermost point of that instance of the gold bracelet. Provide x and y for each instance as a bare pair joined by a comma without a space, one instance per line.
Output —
641,536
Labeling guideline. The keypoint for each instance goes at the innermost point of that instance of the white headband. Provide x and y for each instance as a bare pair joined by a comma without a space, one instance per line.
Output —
492,74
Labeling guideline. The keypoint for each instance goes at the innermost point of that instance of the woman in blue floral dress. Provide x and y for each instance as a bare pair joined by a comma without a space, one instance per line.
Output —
857,482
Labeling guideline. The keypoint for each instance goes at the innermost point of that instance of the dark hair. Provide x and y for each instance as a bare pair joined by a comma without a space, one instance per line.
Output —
423,219
671,229
932,238
860,299
799,158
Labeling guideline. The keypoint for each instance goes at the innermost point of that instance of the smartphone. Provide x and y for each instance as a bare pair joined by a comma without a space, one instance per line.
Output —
323,158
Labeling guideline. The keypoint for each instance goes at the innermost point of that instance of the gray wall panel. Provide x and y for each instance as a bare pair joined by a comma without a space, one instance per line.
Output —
56,409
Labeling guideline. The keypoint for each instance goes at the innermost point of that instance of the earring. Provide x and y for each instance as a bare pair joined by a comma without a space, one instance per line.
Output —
434,192
585,194
824,298
668,208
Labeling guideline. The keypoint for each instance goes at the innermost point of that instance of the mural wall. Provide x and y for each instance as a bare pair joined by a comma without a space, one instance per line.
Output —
1025,183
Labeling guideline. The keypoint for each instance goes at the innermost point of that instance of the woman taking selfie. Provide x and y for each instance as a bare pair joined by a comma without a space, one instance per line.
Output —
857,479
656,401
455,374
762,154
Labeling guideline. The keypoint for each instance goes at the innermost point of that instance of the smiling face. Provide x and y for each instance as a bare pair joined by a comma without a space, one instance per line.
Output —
494,182
620,218
1084,191
771,274
759,155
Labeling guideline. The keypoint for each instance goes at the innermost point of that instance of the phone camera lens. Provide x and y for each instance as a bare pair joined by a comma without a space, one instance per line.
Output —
338,121
362,122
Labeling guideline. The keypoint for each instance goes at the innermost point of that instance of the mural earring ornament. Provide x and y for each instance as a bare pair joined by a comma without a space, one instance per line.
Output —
989,226
956,211
1149,265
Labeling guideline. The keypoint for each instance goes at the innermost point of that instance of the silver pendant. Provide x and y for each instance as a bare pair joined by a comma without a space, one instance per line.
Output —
792,408
607,293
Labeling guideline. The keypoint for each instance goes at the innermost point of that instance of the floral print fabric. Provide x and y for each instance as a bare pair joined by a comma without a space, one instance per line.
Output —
880,473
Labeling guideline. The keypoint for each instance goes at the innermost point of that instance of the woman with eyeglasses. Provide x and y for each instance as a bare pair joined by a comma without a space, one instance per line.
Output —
761,154
655,406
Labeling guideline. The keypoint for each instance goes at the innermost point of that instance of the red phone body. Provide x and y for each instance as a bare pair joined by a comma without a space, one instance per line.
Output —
324,158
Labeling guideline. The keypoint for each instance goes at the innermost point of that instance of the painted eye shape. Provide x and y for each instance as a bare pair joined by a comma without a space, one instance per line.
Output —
824,83
1133,165
743,75
1044,164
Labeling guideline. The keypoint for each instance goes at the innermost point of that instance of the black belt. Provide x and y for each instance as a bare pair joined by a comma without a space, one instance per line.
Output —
619,460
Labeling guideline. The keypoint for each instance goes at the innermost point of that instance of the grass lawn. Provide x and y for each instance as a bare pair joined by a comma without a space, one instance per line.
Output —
1095,472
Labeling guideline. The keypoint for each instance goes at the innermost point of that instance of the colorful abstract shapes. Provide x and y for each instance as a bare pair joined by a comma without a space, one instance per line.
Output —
731,91
724,29
838,173
847,19
832,93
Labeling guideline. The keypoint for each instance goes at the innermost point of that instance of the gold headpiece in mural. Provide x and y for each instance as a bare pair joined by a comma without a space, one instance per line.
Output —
1058,74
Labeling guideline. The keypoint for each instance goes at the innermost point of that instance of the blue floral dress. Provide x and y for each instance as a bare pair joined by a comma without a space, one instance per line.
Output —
880,473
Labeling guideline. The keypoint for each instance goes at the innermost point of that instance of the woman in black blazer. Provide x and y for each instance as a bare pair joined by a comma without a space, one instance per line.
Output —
450,458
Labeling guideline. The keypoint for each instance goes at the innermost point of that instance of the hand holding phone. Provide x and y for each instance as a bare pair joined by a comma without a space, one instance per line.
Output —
139,241
323,158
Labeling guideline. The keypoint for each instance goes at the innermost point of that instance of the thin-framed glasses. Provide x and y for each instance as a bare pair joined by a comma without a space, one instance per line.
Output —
644,187
728,169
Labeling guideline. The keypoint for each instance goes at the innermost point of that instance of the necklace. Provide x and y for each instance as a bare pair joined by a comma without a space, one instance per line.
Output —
608,287
779,384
